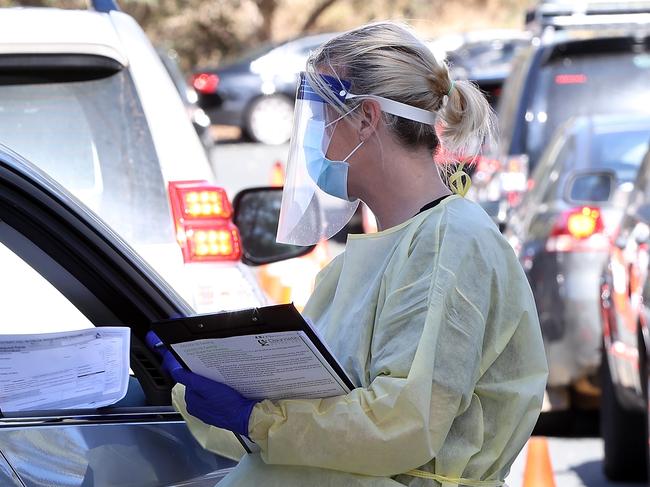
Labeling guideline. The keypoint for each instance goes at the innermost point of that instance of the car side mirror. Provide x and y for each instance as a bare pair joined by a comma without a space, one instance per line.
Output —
591,186
256,214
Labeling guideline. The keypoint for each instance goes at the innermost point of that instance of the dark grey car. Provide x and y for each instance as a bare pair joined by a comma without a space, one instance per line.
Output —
561,233
140,441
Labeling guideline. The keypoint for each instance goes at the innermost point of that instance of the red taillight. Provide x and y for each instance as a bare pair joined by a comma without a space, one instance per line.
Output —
578,229
202,219
570,79
205,83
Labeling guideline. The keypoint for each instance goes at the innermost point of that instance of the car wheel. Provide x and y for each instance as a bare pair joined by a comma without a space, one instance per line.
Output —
269,120
624,434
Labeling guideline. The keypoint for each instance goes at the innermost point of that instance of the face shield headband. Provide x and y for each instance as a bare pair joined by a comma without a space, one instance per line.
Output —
341,89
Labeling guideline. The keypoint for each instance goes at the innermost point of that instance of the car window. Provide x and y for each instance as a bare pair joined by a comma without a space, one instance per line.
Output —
91,135
586,84
548,165
510,96
563,160
30,304
622,152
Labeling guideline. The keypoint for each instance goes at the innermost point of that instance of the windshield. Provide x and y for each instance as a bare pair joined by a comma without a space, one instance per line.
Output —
92,137
585,85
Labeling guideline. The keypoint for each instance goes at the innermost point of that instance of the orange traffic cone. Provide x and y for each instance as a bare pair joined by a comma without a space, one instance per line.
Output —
277,174
538,471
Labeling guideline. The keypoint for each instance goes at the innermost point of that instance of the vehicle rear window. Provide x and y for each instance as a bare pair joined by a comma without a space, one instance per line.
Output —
585,84
90,135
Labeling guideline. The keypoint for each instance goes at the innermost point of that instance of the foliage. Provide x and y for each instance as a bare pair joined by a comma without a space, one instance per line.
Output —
203,32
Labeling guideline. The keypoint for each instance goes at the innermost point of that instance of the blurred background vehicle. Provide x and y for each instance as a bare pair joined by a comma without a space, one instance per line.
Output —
561,233
84,96
567,74
256,92
200,120
625,308
554,15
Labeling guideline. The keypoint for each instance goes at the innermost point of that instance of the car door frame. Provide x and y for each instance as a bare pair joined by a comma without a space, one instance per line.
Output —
99,273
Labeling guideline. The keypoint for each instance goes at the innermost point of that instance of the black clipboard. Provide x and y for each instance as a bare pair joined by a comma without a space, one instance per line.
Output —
253,321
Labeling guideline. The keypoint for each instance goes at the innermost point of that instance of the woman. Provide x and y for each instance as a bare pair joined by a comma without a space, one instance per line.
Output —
431,317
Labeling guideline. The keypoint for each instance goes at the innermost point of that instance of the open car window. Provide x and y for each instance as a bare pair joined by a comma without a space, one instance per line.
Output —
30,303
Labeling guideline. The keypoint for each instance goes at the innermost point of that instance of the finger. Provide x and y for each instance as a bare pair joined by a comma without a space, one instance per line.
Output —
154,343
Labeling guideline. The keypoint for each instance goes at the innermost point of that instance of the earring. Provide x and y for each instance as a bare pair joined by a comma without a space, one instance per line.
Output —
459,181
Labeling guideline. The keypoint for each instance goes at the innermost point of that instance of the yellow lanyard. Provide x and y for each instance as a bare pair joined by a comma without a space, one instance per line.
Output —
458,481
460,182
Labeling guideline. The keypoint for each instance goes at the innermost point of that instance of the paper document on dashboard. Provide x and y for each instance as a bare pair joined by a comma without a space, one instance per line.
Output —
77,369
274,366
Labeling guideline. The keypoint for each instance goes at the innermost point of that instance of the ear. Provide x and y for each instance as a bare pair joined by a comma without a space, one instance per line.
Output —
370,115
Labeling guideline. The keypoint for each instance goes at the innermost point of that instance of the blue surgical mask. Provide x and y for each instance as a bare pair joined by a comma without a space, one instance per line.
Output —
330,176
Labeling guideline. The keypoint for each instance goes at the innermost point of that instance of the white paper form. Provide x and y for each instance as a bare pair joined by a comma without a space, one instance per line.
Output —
77,369
272,366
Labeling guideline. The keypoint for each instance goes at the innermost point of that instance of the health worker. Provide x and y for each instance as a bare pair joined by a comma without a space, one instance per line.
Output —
432,317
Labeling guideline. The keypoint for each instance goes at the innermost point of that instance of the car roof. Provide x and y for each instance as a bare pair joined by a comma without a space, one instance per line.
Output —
56,31
589,36
310,40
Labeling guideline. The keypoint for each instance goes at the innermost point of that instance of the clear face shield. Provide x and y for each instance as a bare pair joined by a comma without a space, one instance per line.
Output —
315,201
315,204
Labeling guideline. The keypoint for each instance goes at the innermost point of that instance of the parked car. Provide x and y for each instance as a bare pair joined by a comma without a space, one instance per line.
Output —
200,120
62,256
561,234
625,307
569,74
256,92
85,96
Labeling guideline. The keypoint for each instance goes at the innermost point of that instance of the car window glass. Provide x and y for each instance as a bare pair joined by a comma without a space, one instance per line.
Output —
542,173
590,84
509,100
91,136
563,161
620,151
30,304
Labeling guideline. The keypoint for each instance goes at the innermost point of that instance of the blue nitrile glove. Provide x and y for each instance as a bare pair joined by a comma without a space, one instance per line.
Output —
215,403
155,344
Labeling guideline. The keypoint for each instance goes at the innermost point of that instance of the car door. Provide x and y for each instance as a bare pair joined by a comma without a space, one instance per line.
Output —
58,256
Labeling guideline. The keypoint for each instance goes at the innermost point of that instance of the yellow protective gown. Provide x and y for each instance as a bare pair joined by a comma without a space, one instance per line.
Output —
435,323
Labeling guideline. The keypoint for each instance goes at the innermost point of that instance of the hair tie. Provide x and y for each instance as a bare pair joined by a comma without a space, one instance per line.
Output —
451,87
445,98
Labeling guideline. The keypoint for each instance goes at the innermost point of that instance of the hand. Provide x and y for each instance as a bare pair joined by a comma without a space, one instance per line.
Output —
155,344
215,403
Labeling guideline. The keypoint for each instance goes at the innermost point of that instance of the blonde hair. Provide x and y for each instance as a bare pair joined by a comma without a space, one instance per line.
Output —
388,60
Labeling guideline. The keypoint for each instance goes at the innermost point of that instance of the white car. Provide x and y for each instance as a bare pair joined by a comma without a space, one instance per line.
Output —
85,97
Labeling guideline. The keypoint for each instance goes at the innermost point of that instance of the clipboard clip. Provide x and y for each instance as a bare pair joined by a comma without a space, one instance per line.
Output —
255,317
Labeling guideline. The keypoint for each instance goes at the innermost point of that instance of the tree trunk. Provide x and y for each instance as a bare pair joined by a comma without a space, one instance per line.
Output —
313,17
267,11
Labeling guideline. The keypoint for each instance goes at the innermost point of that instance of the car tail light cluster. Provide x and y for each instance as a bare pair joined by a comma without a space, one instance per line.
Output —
202,219
205,83
578,229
